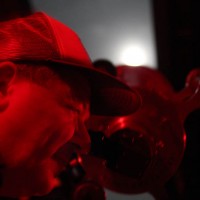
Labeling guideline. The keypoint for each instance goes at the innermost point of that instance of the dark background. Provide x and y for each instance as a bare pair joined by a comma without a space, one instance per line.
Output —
177,29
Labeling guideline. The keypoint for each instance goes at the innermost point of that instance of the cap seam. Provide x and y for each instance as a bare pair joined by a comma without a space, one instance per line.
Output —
54,38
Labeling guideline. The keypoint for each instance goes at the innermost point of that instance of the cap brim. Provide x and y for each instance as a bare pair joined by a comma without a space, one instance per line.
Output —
110,96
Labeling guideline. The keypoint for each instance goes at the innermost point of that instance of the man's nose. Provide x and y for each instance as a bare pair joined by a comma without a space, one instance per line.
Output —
81,137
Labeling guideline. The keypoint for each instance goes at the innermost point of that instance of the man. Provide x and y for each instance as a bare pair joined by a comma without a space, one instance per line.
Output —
48,88
106,66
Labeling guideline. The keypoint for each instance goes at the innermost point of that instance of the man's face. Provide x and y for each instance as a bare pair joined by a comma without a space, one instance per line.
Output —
36,122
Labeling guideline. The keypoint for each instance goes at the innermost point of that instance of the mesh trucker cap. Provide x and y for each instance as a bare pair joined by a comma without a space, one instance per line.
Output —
39,37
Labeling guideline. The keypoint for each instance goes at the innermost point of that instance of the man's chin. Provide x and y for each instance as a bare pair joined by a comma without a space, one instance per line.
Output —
37,180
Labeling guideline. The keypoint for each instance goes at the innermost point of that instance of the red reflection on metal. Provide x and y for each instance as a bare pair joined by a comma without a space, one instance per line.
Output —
88,190
156,130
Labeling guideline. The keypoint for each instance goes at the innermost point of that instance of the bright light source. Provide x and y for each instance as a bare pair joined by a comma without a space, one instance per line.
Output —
133,56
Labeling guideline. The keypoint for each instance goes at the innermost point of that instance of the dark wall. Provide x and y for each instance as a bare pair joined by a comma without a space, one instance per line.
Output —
177,29
10,9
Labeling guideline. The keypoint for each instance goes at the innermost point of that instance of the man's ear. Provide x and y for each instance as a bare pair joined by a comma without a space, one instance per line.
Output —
7,74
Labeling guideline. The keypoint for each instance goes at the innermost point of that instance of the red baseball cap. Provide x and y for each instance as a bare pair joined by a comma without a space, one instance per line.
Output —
39,37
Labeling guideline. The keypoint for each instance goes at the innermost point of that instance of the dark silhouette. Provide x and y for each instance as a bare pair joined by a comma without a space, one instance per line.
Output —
105,66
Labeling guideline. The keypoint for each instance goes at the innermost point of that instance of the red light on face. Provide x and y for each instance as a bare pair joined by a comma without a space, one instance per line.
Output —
184,139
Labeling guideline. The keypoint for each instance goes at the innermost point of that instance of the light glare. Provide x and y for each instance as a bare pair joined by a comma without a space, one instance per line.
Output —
133,56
